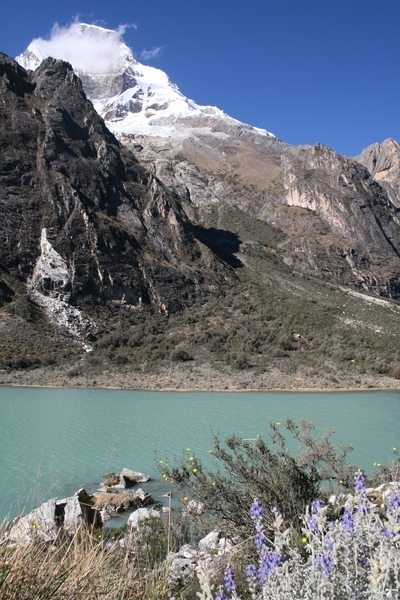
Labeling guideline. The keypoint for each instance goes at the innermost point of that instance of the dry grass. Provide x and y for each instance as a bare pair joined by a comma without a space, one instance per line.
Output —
82,567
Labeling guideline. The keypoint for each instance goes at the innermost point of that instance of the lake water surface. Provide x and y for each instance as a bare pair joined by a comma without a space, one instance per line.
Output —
54,441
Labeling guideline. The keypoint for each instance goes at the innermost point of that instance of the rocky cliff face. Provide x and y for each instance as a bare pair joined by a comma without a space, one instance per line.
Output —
358,240
82,222
383,162
337,220
95,228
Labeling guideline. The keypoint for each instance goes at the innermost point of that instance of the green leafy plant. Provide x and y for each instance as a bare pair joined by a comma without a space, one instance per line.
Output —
267,471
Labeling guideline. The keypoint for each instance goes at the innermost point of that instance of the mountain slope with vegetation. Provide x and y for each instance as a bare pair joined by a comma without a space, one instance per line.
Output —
225,260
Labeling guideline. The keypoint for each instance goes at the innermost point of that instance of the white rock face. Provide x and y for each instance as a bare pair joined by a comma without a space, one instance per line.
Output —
131,97
37,524
49,287
51,271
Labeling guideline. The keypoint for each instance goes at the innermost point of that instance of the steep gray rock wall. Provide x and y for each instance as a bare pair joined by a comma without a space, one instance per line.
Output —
363,225
81,221
383,162
338,221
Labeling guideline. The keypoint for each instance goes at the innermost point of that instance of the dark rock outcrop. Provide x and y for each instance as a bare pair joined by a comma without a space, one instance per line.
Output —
81,221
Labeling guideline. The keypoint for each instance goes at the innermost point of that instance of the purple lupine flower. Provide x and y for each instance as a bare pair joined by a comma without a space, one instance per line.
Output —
256,512
394,502
274,559
262,575
362,560
388,534
220,595
316,505
313,524
362,508
259,541
329,543
229,580
359,482
325,561
251,571
269,560
347,520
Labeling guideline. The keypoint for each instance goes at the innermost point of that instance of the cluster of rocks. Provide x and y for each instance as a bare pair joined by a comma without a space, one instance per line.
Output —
189,560
64,517
84,509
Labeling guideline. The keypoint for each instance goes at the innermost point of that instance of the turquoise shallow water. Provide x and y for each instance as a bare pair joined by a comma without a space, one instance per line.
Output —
54,441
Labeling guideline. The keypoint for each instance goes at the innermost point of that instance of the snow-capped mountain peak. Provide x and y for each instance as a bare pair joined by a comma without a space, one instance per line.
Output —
131,97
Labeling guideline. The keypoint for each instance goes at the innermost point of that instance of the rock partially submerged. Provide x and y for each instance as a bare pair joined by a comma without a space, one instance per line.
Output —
110,503
66,515
125,479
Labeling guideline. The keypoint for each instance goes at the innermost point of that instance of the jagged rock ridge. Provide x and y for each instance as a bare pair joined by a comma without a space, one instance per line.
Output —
383,162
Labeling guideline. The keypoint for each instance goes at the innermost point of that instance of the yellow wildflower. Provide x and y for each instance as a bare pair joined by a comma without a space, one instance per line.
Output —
194,470
304,540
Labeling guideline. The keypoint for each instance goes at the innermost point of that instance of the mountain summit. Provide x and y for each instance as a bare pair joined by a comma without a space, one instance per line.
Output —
132,98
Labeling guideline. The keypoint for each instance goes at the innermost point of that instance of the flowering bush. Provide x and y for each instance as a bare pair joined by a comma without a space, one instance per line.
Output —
354,555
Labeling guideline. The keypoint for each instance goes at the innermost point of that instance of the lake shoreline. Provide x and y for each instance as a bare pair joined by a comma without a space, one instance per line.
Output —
201,377
200,390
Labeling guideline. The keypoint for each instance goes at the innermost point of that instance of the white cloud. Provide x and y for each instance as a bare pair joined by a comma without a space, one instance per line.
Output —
87,48
147,54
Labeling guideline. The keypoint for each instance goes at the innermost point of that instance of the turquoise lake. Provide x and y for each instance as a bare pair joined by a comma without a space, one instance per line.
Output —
54,441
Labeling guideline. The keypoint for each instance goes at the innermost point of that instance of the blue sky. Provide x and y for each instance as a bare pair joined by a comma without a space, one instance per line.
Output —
309,71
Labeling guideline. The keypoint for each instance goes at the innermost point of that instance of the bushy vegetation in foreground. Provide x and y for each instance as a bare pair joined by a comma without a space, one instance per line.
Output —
356,555
303,526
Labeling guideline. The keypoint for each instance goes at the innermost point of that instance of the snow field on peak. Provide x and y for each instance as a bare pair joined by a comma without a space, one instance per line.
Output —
151,105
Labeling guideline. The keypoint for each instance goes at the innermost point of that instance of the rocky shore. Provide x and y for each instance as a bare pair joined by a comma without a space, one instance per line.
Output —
191,377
